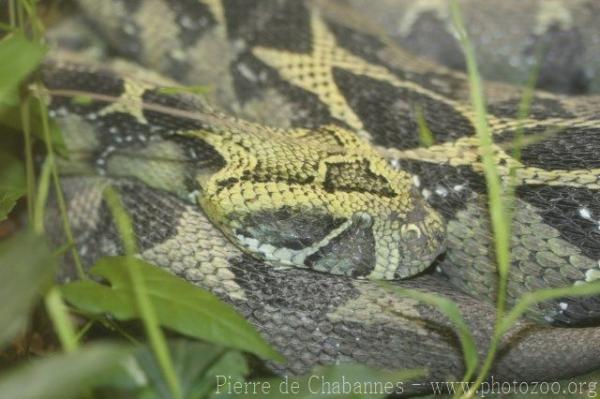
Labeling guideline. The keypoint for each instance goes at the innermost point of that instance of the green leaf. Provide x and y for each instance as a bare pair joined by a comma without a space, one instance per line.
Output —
340,381
197,365
178,304
20,57
26,265
137,285
232,364
11,118
12,182
62,376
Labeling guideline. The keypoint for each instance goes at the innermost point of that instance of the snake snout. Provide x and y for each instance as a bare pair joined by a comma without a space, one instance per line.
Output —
422,240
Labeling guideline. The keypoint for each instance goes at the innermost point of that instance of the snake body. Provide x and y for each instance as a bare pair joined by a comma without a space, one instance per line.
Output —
565,31
304,75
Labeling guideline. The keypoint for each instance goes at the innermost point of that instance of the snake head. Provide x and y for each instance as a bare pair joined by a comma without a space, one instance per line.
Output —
370,243
379,244
291,200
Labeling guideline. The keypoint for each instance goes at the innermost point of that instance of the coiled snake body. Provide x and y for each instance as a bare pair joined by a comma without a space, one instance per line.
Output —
302,181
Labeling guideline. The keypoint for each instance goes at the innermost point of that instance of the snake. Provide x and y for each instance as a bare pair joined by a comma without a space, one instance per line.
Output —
564,30
298,180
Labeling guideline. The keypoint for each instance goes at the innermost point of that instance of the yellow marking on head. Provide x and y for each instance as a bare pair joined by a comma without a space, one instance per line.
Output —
269,169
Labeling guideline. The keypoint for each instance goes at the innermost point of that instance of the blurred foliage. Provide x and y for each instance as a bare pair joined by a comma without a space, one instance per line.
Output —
179,305
62,376
12,182
23,272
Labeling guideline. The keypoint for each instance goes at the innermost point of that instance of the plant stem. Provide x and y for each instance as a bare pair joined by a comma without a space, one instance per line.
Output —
60,319
29,167
153,331
11,13
57,188
42,196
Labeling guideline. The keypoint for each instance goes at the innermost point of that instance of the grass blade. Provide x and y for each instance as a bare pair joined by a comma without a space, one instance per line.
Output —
450,310
142,302
532,298
497,199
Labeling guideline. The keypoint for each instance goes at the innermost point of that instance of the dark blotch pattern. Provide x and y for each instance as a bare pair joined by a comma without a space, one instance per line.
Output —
262,173
283,25
458,185
303,331
127,39
150,221
200,157
354,246
443,49
83,80
563,62
369,48
441,82
390,113
173,121
560,207
256,277
193,20
311,112
569,148
356,176
542,108
288,227
121,132
358,43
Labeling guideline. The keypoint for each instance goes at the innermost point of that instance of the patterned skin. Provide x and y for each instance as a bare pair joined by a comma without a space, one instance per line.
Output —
306,65
317,318
562,34
295,65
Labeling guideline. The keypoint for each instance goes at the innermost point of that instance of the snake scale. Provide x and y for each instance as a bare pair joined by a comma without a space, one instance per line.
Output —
320,184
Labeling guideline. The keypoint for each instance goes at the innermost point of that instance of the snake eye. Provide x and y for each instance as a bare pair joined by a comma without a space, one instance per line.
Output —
410,232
